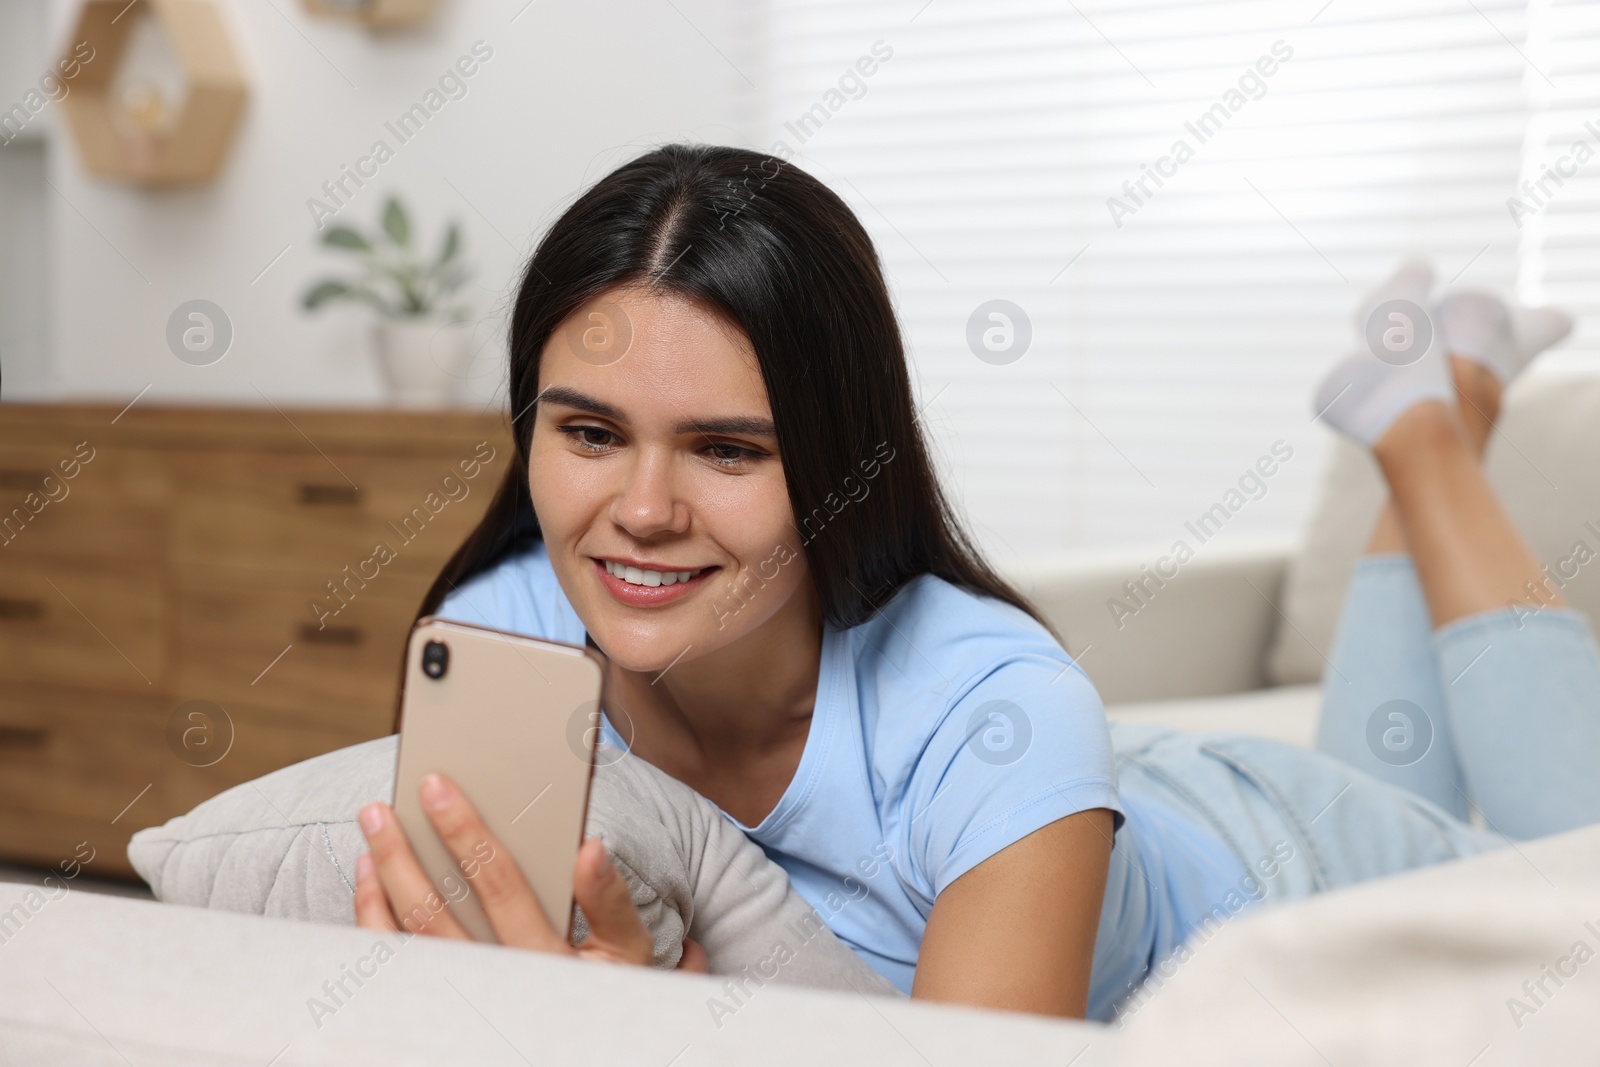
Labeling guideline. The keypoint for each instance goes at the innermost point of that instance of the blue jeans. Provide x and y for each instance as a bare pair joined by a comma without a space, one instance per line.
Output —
1497,714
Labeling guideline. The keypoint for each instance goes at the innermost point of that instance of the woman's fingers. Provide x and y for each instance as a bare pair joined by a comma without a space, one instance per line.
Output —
393,890
490,869
372,906
411,898
694,958
616,932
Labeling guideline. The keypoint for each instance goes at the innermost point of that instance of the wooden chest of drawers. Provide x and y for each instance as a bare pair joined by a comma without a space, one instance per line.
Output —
192,597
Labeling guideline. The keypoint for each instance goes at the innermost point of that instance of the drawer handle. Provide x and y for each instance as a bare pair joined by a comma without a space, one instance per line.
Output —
331,635
11,609
316,495
23,737
17,478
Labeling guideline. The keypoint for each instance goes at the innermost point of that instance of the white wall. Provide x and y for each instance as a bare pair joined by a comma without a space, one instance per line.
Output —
24,216
572,89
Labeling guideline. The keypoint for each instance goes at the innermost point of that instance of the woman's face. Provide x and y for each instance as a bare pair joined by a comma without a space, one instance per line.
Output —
655,473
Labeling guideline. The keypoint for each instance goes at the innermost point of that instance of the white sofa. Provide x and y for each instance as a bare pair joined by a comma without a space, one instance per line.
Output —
1236,640
1431,967
1418,969
1196,656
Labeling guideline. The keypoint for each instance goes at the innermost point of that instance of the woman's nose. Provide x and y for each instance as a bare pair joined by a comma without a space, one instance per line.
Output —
648,503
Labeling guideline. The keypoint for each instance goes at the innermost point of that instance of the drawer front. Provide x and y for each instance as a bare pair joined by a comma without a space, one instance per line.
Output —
315,515
69,766
101,626
81,771
265,645
89,502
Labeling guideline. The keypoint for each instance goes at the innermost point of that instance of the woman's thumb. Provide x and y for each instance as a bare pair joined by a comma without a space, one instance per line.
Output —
615,929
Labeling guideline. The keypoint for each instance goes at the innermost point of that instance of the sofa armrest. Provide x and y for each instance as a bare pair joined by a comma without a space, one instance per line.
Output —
1152,628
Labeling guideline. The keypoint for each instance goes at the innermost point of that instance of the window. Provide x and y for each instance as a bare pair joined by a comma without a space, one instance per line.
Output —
1559,208
1179,321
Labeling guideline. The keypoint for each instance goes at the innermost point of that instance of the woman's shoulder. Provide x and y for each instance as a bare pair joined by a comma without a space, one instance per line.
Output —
938,623
935,654
971,710
519,594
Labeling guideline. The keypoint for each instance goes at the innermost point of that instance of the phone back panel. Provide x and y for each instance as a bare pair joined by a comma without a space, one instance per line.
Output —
513,722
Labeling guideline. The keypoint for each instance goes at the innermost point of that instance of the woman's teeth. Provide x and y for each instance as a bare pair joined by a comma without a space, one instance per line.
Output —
635,576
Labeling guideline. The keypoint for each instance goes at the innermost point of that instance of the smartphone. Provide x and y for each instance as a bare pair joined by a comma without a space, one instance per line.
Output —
513,721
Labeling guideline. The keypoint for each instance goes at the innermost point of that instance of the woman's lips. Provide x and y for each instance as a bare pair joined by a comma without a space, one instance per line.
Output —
647,596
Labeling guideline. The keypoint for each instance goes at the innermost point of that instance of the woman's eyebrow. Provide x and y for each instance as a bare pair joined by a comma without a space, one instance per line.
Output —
731,426
569,397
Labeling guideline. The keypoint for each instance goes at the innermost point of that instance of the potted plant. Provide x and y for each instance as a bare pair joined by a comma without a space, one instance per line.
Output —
420,338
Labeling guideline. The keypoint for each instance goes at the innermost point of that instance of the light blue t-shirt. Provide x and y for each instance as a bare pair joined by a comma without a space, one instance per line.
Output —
946,727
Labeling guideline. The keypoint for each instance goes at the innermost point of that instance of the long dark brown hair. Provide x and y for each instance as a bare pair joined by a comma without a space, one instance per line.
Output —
780,255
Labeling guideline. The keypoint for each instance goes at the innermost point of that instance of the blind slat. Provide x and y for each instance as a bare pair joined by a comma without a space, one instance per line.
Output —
983,157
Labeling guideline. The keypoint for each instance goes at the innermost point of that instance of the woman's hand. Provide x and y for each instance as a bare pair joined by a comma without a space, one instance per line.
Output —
390,883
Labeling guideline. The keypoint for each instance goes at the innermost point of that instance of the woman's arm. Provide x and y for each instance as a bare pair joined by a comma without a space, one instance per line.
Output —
1017,931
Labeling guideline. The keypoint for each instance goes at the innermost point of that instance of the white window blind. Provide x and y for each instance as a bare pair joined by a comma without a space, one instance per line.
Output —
1170,353
1560,214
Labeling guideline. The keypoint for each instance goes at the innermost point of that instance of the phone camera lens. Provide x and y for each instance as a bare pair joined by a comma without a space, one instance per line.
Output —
435,659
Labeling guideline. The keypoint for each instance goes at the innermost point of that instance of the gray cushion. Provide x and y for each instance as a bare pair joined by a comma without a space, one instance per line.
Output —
285,845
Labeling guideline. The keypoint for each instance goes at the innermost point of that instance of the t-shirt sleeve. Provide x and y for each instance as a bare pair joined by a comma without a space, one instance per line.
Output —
1024,746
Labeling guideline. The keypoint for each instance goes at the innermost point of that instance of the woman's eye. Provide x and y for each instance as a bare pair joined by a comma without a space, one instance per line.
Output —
727,455
590,438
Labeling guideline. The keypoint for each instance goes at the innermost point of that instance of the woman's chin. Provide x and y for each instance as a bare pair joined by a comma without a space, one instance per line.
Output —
650,654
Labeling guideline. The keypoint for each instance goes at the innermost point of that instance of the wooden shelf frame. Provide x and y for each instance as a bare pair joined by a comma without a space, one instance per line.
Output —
217,91
375,14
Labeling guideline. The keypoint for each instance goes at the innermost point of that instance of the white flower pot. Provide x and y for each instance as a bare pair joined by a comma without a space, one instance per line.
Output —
422,360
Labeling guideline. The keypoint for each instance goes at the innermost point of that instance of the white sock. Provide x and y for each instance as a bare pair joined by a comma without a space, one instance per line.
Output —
1480,326
1362,396
1412,281
1535,329
1476,325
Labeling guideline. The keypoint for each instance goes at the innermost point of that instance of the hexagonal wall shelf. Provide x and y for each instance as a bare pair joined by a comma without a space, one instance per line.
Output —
159,101
375,14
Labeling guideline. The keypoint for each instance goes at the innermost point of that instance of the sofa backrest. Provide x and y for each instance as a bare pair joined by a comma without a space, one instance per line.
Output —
1544,460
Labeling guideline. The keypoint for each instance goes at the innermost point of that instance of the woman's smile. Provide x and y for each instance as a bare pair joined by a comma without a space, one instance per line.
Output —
640,584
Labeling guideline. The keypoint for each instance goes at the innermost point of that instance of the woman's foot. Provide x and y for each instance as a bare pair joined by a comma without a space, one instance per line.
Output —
1480,327
1490,343
1362,395
1421,428
1412,280
1401,364
1535,329
1479,344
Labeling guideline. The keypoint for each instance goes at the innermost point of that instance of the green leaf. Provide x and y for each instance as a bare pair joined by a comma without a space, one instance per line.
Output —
345,237
323,292
452,245
415,302
395,223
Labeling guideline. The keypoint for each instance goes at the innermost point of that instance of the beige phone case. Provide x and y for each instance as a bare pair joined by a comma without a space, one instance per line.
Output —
513,721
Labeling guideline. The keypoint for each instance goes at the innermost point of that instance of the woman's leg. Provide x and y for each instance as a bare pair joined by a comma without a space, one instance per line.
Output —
1384,710
1521,671
1383,700
1468,554
1427,421
1478,407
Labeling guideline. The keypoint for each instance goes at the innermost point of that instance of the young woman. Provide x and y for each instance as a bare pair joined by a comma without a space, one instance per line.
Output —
721,483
